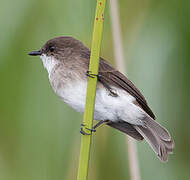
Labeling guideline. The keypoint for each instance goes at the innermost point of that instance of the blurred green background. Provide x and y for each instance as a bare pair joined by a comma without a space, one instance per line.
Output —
39,134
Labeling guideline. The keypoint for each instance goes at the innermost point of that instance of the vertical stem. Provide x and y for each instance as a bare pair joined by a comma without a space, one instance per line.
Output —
132,149
91,90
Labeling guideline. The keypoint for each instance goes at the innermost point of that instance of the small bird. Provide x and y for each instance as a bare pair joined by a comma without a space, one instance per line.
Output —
119,104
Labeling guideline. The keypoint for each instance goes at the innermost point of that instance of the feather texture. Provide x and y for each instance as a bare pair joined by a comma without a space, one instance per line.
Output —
157,137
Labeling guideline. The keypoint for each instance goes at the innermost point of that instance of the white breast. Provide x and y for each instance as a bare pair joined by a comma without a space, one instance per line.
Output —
107,107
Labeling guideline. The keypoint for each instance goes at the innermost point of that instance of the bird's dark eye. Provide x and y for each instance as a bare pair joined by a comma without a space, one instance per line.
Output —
52,48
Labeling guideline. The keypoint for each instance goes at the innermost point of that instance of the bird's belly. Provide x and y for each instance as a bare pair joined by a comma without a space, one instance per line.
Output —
107,107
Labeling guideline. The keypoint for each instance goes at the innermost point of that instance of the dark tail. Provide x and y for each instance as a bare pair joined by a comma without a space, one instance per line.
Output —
127,128
157,137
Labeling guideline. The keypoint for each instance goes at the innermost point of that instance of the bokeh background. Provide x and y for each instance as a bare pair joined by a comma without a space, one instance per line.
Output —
39,134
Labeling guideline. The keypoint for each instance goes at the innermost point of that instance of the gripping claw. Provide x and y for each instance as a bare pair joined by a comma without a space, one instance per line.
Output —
85,133
89,74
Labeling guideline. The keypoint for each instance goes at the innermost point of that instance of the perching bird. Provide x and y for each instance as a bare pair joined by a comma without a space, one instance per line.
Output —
119,104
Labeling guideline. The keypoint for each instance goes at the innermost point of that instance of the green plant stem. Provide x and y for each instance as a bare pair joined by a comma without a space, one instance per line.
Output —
91,90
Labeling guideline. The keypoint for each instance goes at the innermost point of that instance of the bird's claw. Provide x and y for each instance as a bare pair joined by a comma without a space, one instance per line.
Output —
85,133
89,74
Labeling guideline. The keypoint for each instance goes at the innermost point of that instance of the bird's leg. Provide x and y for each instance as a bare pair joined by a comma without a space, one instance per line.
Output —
93,129
99,124
89,74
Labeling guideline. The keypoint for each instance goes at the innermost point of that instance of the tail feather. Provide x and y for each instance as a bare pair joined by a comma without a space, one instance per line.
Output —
126,128
158,129
158,138
170,146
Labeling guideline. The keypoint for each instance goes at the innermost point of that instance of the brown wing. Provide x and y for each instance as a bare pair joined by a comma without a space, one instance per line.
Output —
109,75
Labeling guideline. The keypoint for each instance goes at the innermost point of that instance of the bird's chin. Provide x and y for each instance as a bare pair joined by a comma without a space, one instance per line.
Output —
49,62
43,56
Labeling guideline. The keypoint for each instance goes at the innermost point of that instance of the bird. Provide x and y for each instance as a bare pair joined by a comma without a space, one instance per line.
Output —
118,103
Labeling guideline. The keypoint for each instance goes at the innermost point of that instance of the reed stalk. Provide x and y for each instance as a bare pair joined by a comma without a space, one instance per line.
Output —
120,63
91,90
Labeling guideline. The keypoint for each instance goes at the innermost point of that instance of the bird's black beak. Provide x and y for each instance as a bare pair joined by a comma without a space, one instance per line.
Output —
35,53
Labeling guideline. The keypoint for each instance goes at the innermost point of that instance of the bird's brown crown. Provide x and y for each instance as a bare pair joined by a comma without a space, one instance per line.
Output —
62,46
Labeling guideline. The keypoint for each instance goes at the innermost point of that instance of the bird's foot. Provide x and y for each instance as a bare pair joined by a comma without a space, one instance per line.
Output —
89,74
85,133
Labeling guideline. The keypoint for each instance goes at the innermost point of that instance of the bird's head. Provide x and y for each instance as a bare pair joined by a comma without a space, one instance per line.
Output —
58,49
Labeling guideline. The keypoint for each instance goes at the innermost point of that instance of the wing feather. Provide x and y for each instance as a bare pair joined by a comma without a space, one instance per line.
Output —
109,75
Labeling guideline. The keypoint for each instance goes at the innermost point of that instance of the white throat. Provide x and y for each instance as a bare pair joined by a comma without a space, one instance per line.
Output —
49,62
